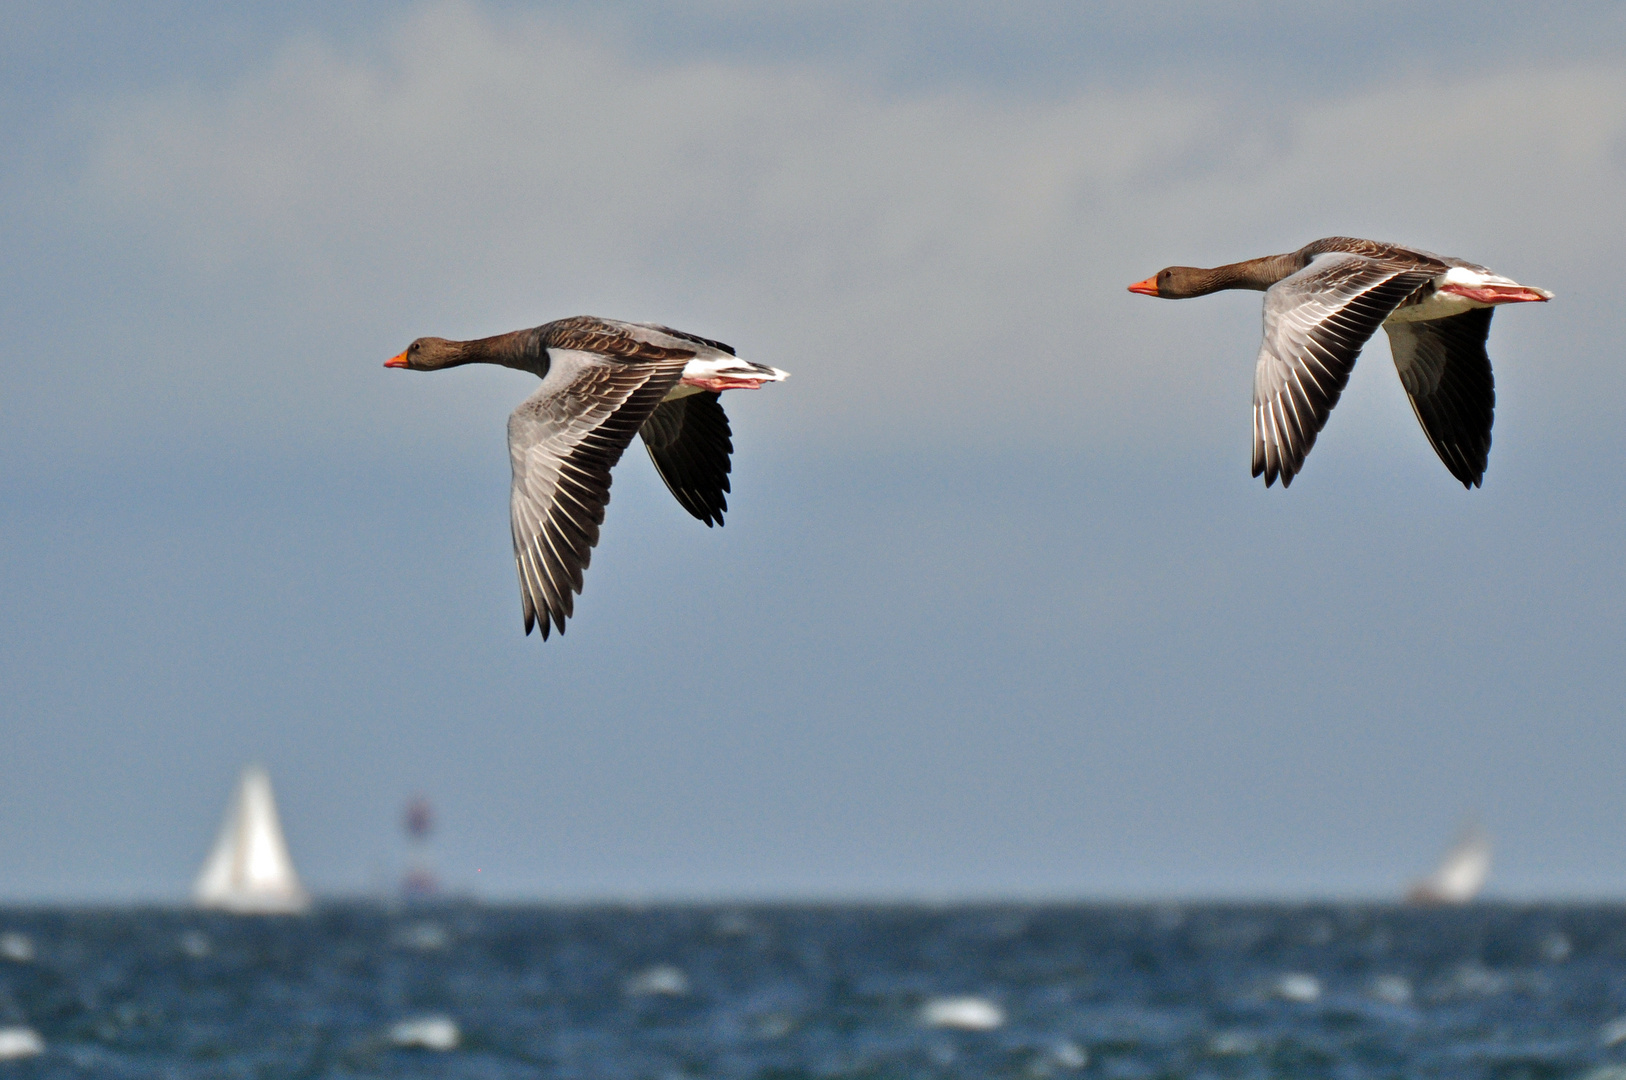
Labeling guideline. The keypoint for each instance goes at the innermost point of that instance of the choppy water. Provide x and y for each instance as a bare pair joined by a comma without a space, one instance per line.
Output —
1197,990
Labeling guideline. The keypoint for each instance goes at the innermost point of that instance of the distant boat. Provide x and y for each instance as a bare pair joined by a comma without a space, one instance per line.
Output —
1460,875
249,870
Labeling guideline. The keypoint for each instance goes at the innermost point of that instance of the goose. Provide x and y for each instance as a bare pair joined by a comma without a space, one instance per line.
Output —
602,382
1323,301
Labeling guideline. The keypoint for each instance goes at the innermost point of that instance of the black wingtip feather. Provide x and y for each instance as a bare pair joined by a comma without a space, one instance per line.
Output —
690,444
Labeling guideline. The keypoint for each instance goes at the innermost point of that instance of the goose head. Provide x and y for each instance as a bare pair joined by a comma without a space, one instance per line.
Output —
430,354
1178,283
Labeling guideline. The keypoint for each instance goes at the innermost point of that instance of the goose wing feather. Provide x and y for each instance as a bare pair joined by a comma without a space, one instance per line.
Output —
689,441
563,441
1316,322
1447,375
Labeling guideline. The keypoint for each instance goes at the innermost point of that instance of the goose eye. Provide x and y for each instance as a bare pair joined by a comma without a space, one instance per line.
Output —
414,346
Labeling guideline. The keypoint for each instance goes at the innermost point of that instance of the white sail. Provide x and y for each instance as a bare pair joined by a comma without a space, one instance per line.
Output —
249,870
1460,875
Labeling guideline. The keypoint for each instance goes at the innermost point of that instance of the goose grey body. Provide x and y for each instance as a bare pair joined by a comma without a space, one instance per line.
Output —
603,381
1324,301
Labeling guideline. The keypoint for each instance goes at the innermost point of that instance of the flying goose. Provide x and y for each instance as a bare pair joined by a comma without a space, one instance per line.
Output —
602,381
1323,301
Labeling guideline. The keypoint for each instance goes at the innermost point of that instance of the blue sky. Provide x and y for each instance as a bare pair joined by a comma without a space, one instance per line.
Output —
998,609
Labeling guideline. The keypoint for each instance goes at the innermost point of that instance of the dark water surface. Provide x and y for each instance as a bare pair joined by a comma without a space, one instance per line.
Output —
1131,991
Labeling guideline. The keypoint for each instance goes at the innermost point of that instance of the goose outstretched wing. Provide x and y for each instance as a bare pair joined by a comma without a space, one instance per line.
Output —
689,441
1447,375
1316,322
563,441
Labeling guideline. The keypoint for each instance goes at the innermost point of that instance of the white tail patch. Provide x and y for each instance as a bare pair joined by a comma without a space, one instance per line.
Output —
723,372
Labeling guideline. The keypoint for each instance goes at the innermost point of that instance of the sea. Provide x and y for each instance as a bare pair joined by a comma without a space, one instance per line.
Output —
1126,991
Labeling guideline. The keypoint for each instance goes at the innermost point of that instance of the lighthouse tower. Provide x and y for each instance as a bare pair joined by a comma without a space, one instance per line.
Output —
419,882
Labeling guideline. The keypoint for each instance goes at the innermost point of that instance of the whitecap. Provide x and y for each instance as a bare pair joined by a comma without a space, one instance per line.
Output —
662,979
20,1042
1391,989
16,947
439,1033
1069,1055
964,1013
1298,986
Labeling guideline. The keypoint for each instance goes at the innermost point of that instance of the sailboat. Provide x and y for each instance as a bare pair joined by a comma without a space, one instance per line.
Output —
1460,875
249,870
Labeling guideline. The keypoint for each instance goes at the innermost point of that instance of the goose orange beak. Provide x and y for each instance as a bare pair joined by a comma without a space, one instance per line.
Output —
397,361
1145,288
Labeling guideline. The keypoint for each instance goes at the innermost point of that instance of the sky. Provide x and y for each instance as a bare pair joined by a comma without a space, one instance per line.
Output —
998,610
